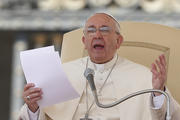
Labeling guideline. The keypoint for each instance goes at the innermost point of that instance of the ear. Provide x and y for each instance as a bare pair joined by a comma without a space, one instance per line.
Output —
119,41
84,42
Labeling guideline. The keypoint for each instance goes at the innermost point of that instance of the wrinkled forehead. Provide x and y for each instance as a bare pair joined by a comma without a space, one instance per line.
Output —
100,19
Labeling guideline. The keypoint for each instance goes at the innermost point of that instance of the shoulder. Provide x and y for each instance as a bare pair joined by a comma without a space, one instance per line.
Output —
126,64
75,66
75,63
132,73
132,70
74,71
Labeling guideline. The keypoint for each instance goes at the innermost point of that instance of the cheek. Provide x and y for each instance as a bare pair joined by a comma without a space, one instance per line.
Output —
111,45
85,45
88,44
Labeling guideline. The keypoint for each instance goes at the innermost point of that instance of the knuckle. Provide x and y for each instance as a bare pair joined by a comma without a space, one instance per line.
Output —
37,94
32,101
31,90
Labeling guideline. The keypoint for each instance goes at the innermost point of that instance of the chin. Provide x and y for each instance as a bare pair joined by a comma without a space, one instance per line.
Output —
98,59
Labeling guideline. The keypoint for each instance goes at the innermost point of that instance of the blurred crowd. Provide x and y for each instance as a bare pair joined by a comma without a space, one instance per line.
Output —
151,6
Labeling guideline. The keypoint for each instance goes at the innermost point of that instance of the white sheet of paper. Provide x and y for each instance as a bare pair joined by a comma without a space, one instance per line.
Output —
43,68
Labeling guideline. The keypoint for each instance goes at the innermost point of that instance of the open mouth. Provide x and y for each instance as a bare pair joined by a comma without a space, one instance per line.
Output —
98,46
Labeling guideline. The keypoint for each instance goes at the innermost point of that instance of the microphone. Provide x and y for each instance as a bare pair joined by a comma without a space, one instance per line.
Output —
89,75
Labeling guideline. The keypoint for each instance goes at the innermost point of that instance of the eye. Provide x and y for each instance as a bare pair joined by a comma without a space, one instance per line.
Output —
91,30
104,29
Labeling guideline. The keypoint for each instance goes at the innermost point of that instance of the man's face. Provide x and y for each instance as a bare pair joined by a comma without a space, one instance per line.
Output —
100,38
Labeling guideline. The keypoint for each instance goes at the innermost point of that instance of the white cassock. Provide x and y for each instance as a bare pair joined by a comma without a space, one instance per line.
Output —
126,77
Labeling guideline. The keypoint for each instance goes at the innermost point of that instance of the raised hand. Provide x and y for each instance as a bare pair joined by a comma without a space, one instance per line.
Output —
159,72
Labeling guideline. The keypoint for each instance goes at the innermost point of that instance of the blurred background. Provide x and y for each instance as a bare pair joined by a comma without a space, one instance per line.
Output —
27,24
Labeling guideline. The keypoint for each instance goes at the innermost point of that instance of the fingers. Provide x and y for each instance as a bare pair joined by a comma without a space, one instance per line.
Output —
33,93
155,76
154,71
34,100
33,90
30,89
159,73
161,64
154,68
162,60
29,85
159,68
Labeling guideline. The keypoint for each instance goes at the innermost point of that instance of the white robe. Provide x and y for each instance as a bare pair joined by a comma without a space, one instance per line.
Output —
127,77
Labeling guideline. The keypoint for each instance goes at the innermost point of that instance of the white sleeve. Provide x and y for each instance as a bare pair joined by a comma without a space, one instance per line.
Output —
158,101
33,116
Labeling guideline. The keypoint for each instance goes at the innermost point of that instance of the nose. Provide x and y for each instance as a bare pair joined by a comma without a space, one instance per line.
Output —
98,34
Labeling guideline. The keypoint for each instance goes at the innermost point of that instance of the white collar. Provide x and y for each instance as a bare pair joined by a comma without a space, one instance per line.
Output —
102,67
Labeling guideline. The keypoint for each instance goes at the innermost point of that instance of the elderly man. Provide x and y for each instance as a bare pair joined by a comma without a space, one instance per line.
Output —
115,77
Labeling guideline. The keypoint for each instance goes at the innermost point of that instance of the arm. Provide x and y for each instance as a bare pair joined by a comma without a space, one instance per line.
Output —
31,109
158,82
31,95
159,113
24,114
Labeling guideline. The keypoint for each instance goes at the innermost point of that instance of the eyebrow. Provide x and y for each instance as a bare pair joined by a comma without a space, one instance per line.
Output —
91,26
94,26
104,26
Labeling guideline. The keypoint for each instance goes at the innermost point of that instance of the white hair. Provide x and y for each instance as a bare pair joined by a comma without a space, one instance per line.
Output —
117,25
